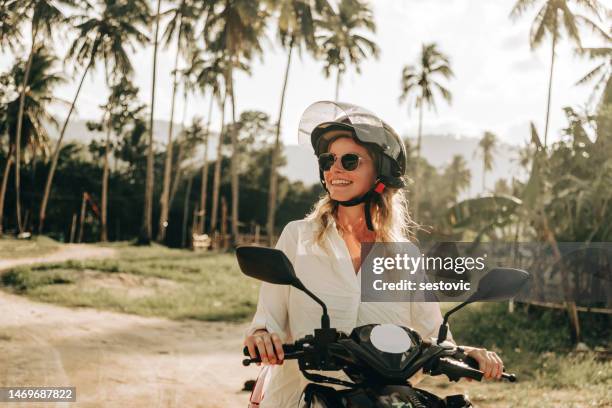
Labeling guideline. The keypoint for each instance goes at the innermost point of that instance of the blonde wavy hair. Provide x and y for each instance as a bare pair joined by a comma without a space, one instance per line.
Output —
389,213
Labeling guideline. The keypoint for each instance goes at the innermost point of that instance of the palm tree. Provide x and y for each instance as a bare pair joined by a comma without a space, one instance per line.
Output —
182,27
342,41
458,175
10,21
296,29
44,16
487,146
418,84
147,225
552,17
101,36
121,109
42,79
235,31
602,73
208,76
188,88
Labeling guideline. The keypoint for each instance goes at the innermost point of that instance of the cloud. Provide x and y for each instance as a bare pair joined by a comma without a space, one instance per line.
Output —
514,41
527,64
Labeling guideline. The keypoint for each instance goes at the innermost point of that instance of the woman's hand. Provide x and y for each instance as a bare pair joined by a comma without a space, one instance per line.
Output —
488,362
269,345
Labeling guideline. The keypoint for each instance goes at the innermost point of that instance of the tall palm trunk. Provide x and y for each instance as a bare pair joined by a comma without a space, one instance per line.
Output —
179,157
272,191
22,95
234,164
484,174
56,152
147,232
217,175
5,176
165,196
186,212
204,185
417,165
105,172
550,78
338,74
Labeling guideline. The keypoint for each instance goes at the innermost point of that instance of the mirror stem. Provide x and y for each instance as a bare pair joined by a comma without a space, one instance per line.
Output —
324,317
443,332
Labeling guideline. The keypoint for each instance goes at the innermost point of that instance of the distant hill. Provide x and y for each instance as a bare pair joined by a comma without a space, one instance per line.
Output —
438,149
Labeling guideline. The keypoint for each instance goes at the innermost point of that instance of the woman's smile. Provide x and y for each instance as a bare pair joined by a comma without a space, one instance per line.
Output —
344,184
338,182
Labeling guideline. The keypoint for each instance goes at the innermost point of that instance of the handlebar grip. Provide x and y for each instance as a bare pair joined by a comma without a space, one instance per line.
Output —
455,370
291,351
287,348
474,364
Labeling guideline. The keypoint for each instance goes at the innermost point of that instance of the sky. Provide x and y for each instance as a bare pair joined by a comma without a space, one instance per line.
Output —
499,85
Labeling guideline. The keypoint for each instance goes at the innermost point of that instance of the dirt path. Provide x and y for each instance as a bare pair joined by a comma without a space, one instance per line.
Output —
65,253
115,359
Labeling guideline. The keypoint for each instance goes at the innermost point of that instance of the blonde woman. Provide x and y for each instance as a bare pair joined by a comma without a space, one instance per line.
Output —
361,165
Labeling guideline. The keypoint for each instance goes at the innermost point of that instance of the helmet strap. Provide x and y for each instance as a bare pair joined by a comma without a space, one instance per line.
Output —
378,188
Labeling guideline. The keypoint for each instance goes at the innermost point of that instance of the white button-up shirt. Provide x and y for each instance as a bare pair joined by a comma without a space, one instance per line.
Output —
331,276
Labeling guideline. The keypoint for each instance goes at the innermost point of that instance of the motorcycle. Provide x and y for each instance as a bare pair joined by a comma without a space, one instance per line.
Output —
379,359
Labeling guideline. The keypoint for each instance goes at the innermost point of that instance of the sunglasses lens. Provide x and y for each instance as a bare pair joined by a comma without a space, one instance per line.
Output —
350,161
326,161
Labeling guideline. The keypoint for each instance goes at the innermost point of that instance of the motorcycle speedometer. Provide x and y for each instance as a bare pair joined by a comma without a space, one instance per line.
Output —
390,338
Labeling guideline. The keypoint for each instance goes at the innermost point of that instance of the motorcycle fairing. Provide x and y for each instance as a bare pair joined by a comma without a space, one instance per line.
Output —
375,365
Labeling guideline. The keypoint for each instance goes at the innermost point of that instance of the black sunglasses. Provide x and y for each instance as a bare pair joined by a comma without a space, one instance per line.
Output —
349,161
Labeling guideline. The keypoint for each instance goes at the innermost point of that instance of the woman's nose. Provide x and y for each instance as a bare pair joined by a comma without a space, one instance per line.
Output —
337,167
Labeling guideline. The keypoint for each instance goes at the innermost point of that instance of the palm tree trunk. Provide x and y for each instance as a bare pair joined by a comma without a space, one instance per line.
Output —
272,192
204,185
147,232
337,85
186,212
234,164
550,78
5,176
217,175
105,172
484,173
22,95
165,196
417,166
55,158
179,157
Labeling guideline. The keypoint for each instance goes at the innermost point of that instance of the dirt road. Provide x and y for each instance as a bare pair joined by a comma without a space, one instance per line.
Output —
118,360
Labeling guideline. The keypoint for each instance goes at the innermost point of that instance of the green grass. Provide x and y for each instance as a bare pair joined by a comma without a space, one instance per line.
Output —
11,248
149,281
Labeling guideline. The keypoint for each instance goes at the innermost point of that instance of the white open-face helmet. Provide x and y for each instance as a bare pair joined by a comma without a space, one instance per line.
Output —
317,129
320,118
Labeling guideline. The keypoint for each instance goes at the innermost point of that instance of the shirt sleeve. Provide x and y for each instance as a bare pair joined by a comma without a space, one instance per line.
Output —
272,311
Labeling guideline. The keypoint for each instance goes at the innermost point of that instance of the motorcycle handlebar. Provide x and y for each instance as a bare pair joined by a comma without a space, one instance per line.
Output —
466,366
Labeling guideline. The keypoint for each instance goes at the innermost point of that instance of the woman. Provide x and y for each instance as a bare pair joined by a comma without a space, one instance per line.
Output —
361,165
